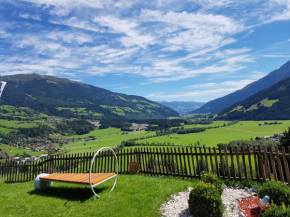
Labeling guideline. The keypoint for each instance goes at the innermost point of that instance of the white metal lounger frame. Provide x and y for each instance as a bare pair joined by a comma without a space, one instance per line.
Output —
91,167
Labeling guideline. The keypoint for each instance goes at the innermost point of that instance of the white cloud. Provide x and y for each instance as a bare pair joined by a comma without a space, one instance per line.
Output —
193,73
208,4
30,16
206,89
231,52
128,28
161,41
276,56
239,59
122,88
76,23
64,7
211,92
70,37
196,30
124,4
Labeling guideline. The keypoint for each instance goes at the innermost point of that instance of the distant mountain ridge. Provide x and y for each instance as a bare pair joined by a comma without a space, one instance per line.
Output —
63,97
272,103
182,107
217,105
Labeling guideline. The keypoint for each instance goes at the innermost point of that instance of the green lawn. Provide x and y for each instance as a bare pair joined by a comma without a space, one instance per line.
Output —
244,130
135,195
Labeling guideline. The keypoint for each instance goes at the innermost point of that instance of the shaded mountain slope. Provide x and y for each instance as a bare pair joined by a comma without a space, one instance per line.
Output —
269,104
63,97
217,105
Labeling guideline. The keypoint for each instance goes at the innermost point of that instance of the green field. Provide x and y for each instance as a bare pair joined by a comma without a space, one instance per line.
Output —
244,130
135,196
214,124
16,124
106,137
11,150
5,130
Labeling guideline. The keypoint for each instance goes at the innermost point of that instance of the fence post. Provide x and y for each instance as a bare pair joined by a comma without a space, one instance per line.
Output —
273,164
286,165
261,164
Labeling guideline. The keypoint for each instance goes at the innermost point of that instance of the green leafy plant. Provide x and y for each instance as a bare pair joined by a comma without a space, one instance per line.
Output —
212,178
285,139
205,200
244,183
279,192
276,211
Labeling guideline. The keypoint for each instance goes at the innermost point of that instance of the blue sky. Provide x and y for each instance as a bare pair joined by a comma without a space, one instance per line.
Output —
171,50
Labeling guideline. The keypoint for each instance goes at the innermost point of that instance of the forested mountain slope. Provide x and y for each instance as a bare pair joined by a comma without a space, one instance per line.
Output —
217,105
269,104
63,97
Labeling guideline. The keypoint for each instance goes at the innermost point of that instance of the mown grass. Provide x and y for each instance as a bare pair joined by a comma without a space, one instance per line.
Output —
135,195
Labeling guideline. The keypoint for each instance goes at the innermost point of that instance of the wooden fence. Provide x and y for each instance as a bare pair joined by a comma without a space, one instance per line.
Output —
258,163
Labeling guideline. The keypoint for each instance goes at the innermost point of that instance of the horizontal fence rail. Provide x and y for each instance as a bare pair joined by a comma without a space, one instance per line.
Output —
255,163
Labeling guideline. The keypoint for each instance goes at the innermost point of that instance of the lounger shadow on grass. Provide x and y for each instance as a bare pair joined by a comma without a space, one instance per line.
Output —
68,193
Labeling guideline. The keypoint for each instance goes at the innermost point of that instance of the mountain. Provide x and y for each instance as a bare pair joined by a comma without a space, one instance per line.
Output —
63,97
217,105
272,103
182,107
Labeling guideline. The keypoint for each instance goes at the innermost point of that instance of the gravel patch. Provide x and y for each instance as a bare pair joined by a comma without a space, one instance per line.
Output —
231,197
177,206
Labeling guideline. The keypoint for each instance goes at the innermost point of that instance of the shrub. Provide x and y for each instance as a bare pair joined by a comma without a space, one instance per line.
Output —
214,180
248,183
205,200
244,183
279,192
276,211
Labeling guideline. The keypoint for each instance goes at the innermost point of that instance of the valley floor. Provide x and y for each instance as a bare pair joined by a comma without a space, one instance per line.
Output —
243,130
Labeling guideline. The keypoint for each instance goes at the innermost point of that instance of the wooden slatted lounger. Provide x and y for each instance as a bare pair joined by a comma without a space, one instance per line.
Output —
93,179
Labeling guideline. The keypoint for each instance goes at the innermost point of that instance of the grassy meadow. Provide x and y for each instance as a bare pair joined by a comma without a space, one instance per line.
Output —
213,124
243,130
105,138
17,124
135,195
11,150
